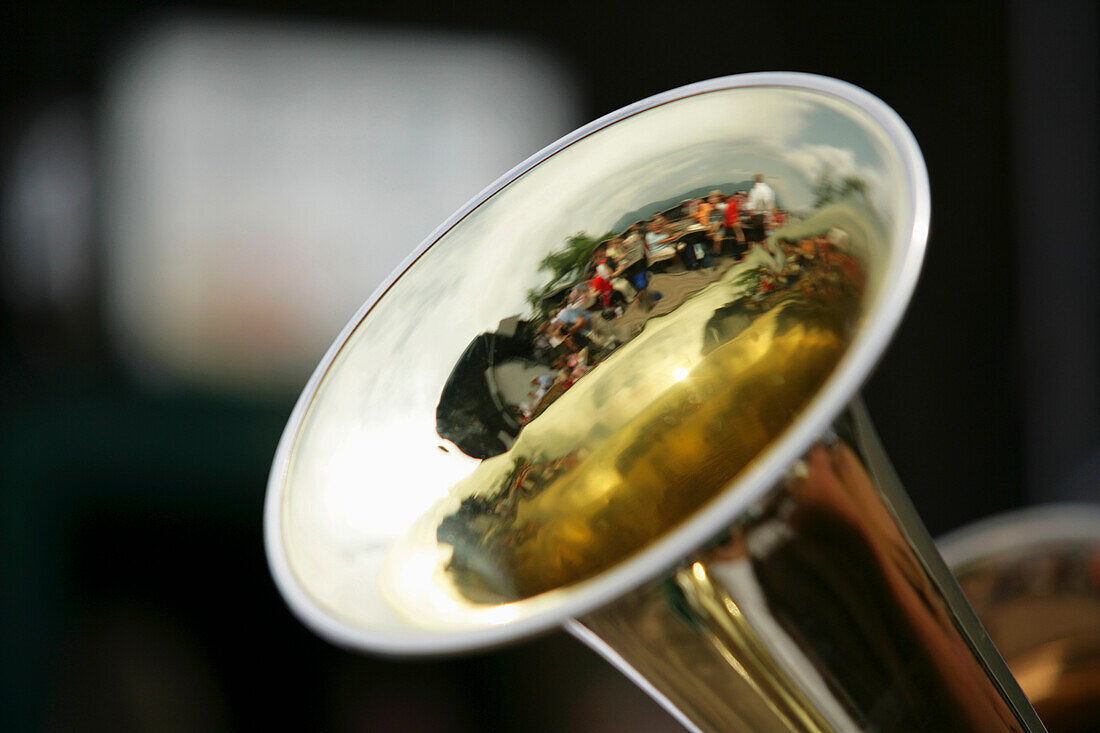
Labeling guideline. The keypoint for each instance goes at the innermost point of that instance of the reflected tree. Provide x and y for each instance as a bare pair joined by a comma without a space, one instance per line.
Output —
566,266
829,188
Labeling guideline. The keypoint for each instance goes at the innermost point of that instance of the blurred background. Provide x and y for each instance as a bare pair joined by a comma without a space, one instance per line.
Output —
195,197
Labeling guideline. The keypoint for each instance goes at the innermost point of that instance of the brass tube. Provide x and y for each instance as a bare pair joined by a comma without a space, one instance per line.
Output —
820,611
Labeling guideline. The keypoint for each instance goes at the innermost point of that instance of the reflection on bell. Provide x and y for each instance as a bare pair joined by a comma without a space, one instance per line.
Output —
617,392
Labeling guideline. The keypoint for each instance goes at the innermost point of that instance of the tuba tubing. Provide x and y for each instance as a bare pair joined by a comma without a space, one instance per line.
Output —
825,609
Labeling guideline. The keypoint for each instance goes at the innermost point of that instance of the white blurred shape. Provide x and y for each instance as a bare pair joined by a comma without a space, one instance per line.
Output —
262,180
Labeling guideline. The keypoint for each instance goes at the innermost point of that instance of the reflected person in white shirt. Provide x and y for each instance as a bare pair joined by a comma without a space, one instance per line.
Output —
761,197
760,203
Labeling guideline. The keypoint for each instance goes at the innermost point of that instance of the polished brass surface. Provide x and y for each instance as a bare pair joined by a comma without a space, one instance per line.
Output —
593,369
670,401
815,614
591,481
421,460
1035,584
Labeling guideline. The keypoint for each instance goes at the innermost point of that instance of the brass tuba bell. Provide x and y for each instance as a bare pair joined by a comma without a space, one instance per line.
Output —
618,392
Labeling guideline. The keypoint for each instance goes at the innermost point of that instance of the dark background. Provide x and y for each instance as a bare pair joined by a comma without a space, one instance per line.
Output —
135,591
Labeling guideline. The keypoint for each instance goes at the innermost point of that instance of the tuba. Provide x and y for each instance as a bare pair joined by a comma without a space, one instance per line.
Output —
618,392
1033,577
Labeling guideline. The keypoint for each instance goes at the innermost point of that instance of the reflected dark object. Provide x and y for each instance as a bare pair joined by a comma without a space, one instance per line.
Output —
691,375
1033,577
469,413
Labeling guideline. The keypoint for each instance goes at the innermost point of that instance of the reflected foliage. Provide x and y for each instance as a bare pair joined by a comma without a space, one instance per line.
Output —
830,188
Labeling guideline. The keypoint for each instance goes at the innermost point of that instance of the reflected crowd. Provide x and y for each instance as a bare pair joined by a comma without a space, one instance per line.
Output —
575,327
601,291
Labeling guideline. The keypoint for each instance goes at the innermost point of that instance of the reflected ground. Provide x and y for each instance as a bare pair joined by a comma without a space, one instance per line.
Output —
646,410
